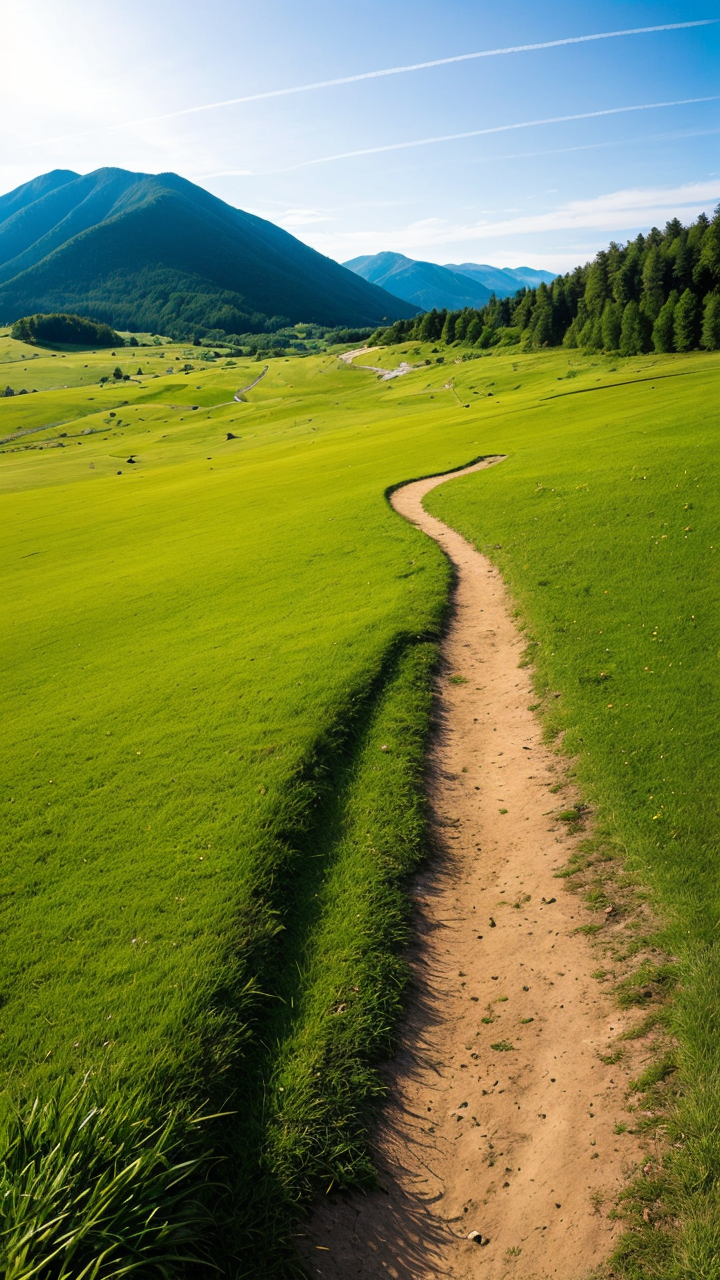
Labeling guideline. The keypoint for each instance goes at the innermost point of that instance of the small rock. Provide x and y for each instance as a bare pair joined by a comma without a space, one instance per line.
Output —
384,747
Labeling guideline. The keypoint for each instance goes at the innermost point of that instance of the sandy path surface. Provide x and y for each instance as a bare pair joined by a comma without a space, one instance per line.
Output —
500,1114
348,357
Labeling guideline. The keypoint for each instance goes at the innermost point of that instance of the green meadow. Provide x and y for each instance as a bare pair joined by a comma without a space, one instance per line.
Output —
218,660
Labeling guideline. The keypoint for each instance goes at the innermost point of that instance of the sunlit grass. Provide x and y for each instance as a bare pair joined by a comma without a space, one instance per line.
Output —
606,530
204,656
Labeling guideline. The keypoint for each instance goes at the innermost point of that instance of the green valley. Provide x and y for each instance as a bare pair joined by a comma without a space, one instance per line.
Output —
219,649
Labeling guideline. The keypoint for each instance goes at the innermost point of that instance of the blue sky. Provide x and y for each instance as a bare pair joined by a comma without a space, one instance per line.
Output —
91,84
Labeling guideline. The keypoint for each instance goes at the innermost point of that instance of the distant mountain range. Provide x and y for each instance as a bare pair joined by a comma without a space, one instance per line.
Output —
155,252
428,285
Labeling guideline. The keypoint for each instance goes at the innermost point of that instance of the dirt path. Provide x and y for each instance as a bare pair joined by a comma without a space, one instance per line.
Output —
348,357
500,1116
241,390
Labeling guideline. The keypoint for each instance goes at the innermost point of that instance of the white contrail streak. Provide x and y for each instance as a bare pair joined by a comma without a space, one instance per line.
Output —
471,133
513,155
388,71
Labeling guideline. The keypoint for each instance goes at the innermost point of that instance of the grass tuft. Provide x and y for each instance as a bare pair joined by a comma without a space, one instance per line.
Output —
94,1189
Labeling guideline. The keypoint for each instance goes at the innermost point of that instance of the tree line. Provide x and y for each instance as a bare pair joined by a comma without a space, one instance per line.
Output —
659,292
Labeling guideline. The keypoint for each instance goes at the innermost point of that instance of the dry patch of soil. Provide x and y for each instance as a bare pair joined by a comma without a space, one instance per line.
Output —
500,1116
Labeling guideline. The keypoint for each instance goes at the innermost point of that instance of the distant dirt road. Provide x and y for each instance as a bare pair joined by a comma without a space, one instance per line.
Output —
241,392
348,357
500,1115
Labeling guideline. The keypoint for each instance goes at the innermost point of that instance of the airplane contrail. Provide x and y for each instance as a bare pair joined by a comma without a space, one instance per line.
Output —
470,133
514,155
387,71
502,128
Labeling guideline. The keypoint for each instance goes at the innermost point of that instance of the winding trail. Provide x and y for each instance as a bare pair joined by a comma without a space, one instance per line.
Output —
500,1115
348,357
241,390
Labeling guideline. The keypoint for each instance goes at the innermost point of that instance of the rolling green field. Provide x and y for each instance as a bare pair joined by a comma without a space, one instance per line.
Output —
218,661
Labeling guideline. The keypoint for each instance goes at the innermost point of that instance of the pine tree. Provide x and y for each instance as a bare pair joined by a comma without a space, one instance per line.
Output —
631,335
686,322
430,326
683,265
542,326
653,294
596,289
523,310
710,338
707,271
610,325
448,329
571,336
474,330
663,334
461,326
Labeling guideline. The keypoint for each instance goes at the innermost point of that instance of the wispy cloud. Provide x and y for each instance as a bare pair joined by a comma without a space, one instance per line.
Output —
301,217
501,128
455,137
616,211
386,71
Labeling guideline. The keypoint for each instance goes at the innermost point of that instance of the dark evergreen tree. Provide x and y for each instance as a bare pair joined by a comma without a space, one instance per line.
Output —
687,317
631,334
610,325
710,336
663,334
448,330
461,325
706,274
523,309
653,278
596,289
571,335
474,330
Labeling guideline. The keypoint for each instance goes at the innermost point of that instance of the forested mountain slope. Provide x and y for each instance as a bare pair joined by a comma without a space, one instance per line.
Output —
424,283
429,285
155,252
502,281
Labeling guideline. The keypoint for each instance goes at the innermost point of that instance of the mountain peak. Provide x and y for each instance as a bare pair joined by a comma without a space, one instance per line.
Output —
158,252
453,286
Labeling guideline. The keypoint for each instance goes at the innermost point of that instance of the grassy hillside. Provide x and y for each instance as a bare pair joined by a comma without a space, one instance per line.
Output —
208,650
140,251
